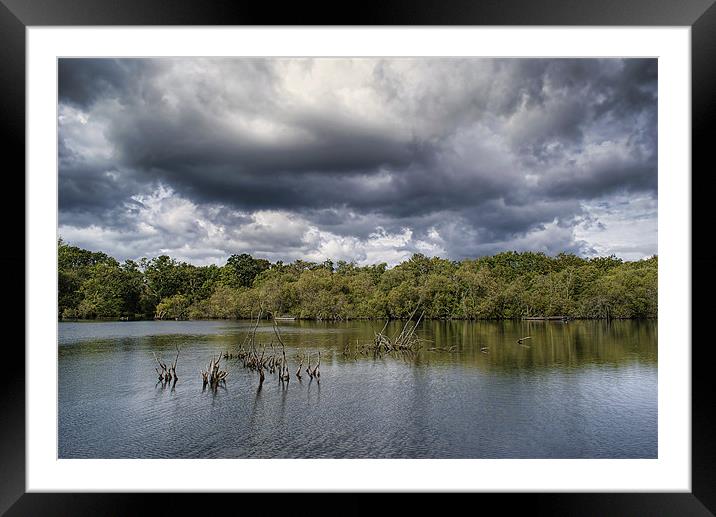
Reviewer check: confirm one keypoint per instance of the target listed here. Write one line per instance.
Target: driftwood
(270, 359)
(252, 336)
(405, 341)
(442, 349)
(316, 371)
(166, 372)
(300, 365)
(174, 366)
(308, 368)
(213, 375)
(283, 374)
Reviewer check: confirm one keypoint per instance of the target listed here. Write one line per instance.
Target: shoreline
(559, 319)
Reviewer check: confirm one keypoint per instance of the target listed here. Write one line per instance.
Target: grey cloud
(82, 81)
(487, 152)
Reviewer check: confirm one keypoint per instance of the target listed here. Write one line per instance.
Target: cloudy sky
(367, 160)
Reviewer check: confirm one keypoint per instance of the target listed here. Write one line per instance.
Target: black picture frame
(700, 15)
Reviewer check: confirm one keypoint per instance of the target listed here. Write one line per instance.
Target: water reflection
(577, 389)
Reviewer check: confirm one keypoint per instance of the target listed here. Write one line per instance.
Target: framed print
(415, 252)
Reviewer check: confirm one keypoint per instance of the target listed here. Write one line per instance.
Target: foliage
(506, 285)
(173, 307)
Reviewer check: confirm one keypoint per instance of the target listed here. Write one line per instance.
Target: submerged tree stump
(213, 375)
(166, 372)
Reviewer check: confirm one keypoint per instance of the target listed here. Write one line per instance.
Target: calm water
(579, 390)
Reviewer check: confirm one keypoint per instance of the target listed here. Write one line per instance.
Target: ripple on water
(581, 390)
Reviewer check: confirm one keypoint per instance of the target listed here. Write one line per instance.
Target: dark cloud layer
(468, 156)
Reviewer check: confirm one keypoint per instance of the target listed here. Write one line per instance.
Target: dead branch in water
(262, 359)
(442, 349)
(166, 372)
(316, 371)
(286, 376)
(405, 341)
(300, 365)
(213, 375)
(251, 336)
(174, 366)
(308, 368)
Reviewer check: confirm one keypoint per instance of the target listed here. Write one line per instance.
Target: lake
(582, 389)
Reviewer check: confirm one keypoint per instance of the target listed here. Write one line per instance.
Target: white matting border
(671, 471)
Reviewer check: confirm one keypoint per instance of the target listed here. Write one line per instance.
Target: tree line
(93, 285)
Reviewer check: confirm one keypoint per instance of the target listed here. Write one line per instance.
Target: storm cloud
(358, 159)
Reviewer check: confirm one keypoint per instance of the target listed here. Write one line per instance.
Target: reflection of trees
(553, 344)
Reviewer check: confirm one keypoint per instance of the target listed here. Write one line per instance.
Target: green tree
(173, 307)
(241, 270)
(73, 269)
(102, 292)
(506, 285)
